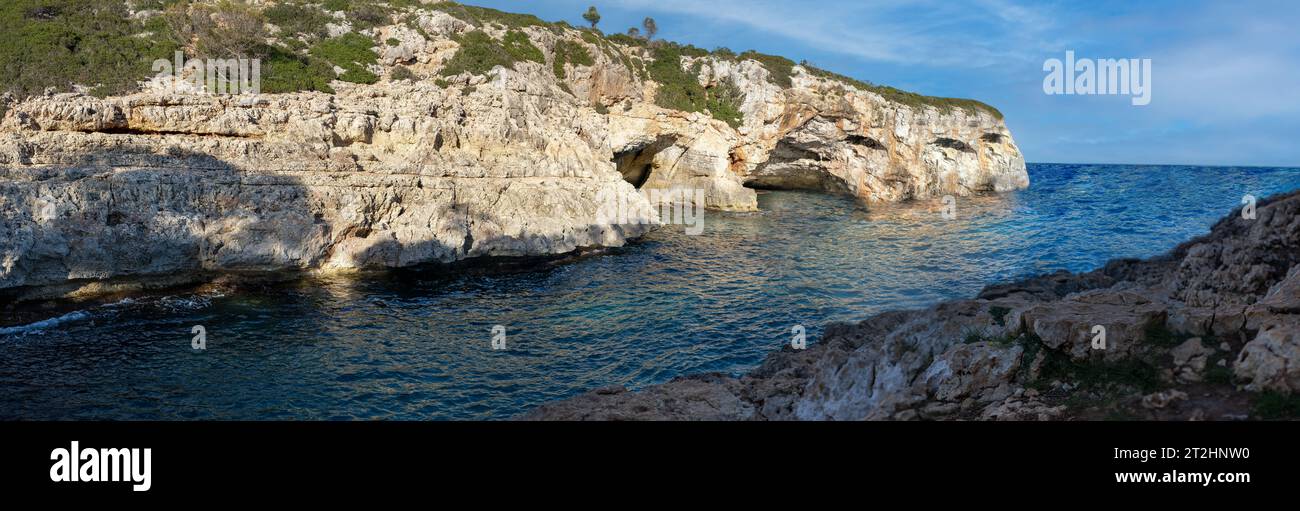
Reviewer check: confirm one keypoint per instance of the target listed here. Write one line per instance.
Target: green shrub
(976, 335)
(521, 48)
(226, 29)
(624, 39)
(479, 53)
(392, 41)
(363, 14)
(570, 52)
(298, 20)
(688, 50)
(350, 51)
(293, 43)
(336, 5)
(780, 68)
(284, 70)
(724, 102)
(1272, 405)
(999, 314)
(578, 54)
(639, 68)
(678, 90)
(911, 99)
(478, 16)
(368, 15)
(401, 73)
(1217, 374)
(1104, 377)
(412, 22)
(57, 43)
(681, 90)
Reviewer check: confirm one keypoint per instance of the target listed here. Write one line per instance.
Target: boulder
(1272, 360)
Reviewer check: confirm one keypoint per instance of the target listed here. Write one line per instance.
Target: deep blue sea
(418, 344)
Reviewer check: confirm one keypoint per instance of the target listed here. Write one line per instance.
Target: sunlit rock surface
(172, 185)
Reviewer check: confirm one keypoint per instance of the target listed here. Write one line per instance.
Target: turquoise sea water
(417, 344)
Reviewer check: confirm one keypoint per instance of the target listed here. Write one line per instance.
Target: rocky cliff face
(1197, 334)
(171, 185)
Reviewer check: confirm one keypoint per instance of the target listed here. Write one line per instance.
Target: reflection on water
(416, 345)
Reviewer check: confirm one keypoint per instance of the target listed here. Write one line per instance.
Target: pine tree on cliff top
(592, 16)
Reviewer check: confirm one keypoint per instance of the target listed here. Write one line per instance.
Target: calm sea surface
(417, 344)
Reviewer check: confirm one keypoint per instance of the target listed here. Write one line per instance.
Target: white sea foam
(45, 324)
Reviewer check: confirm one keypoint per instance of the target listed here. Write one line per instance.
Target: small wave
(120, 303)
(184, 303)
(168, 304)
(45, 324)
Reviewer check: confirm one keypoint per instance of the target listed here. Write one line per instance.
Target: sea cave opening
(793, 167)
(637, 162)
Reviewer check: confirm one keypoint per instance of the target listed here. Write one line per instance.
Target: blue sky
(1226, 74)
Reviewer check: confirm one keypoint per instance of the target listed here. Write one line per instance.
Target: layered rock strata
(171, 184)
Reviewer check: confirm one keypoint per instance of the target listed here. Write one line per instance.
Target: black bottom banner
(142, 460)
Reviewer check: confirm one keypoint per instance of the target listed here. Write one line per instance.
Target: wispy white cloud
(1247, 66)
(915, 32)
(1226, 75)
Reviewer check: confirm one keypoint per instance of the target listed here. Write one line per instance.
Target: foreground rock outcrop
(170, 185)
(1196, 334)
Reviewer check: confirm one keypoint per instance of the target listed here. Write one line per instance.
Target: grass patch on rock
(1157, 334)
(352, 52)
(911, 99)
(100, 45)
(402, 73)
(999, 314)
(479, 16)
(479, 53)
(780, 69)
(297, 20)
(678, 90)
(1096, 376)
(724, 102)
(681, 90)
(570, 52)
(58, 43)
(627, 40)
(364, 15)
(1272, 405)
(284, 70)
(520, 47)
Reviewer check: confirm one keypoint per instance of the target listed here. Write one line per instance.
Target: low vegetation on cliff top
(108, 46)
(61, 42)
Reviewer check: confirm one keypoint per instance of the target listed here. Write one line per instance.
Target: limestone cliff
(171, 185)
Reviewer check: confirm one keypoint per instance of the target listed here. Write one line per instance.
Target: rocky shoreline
(170, 186)
(1209, 331)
